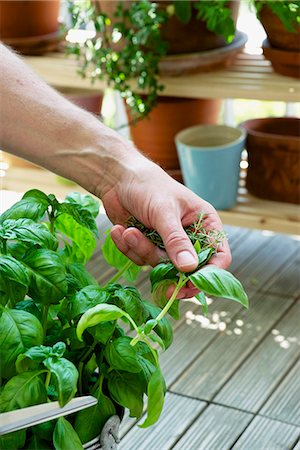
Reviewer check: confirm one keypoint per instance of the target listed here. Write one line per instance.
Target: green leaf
(163, 271)
(159, 297)
(84, 242)
(44, 430)
(97, 314)
(103, 331)
(129, 300)
(12, 441)
(115, 258)
(156, 397)
(35, 355)
(90, 422)
(220, 283)
(32, 206)
(80, 215)
(202, 299)
(65, 437)
(85, 201)
(25, 389)
(26, 230)
(30, 307)
(14, 280)
(19, 330)
(183, 10)
(48, 282)
(37, 444)
(126, 389)
(204, 256)
(79, 272)
(163, 329)
(121, 355)
(66, 377)
(157, 340)
(86, 298)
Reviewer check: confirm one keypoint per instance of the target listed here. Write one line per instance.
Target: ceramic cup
(210, 157)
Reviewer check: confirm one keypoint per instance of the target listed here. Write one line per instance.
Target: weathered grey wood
(179, 412)
(204, 378)
(217, 428)
(297, 446)
(268, 434)
(269, 259)
(287, 281)
(284, 404)
(255, 380)
(195, 334)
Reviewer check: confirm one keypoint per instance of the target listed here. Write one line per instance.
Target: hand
(161, 203)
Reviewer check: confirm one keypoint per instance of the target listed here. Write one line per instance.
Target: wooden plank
(285, 400)
(269, 260)
(216, 428)
(297, 446)
(178, 413)
(206, 376)
(254, 381)
(287, 281)
(263, 434)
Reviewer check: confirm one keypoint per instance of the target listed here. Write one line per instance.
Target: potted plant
(132, 41)
(281, 21)
(62, 334)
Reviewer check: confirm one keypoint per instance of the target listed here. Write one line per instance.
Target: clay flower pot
(154, 135)
(30, 26)
(284, 62)
(273, 146)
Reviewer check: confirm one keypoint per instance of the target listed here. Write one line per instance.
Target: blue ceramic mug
(210, 157)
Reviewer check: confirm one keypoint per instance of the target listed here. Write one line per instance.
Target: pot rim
(236, 141)
(263, 134)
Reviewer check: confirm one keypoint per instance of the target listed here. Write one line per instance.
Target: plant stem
(180, 284)
(47, 381)
(119, 273)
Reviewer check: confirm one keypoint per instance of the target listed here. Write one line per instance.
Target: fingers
(177, 243)
(136, 246)
(222, 258)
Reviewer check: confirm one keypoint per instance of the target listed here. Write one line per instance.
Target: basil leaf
(204, 256)
(14, 280)
(202, 299)
(25, 389)
(84, 242)
(183, 10)
(220, 283)
(90, 422)
(122, 356)
(157, 340)
(32, 206)
(19, 330)
(86, 298)
(115, 258)
(159, 291)
(31, 359)
(13, 440)
(156, 396)
(85, 201)
(30, 307)
(128, 299)
(103, 331)
(163, 271)
(126, 389)
(44, 430)
(39, 196)
(37, 444)
(79, 272)
(65, 437)
(48, 282)
(97, 314)
(65, 375)
(163, 329)
(80, 215)
(26, 230)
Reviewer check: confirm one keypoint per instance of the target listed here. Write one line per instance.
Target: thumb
(178, 246)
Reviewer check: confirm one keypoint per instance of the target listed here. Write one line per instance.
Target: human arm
(40, 125)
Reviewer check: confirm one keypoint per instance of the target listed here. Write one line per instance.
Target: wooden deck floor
(234, 377)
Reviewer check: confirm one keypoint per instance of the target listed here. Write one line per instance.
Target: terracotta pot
(285, 62)
(154, 135)
(278, 35)
(199, 38)
(273, 146)
(30, 26)
(175, 32)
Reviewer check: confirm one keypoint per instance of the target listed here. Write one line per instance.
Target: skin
(40, 125)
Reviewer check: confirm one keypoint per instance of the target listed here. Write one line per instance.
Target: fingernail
(131, 240)
(185, 258)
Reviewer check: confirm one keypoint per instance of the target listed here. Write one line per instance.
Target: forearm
(40, 125)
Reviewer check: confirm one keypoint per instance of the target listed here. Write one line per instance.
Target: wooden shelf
(251, 77)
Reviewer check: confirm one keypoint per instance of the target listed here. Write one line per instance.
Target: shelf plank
(250, 77)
